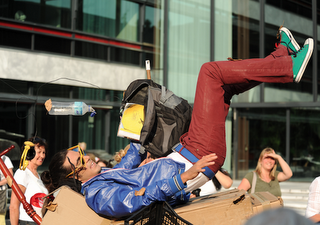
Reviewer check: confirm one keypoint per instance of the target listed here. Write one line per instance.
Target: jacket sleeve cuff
(176, 184)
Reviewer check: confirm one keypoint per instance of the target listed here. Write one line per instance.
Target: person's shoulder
(316, 181)
(250, 174)
(19, 172)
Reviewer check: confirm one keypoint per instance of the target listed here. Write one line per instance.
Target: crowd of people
(193, 168)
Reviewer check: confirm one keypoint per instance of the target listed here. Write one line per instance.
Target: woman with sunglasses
(28, 179)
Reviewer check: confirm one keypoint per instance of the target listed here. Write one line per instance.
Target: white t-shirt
(9, 165)
(208, 188)
(33, 186)
(313, 206)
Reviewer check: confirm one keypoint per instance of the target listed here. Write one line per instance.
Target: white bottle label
(78, 108)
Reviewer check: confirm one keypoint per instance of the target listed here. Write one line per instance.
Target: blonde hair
(122, 152)
(258, 168)
(92, 156)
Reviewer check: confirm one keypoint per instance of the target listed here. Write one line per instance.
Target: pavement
(294, 194)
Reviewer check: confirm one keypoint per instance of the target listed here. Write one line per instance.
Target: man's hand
(207, 160)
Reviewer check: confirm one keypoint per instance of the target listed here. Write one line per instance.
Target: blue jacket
(112, 192)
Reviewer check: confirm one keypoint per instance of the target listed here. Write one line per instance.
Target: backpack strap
(165, 95)
(254, 181)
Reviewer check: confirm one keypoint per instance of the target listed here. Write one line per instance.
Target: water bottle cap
(93, 114)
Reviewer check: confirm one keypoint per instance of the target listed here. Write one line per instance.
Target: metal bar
(212, 18)
(315, 52)
(165, 43)
(235, 145)
(262, 41)
(288, 136)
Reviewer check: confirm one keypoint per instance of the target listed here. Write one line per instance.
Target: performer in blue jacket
(118, 192)
(125, 188)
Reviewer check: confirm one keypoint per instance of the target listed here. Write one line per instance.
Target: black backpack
(167, 116)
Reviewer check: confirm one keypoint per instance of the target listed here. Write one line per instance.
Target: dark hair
(37, 141)
(107, 163)
(215, 180)
(55, 177)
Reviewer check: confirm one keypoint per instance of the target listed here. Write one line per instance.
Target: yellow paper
(133, 119)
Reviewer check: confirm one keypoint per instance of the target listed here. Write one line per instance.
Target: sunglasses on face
(82, 163)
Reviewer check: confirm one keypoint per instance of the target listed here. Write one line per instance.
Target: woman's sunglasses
(82, 160)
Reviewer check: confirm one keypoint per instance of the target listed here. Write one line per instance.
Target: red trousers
(217, 83)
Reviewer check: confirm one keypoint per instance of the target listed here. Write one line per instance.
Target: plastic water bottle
(68, 108)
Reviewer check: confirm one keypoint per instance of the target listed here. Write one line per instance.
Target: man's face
(91, 169)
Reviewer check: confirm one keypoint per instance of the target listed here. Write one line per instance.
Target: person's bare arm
(14, 207)
(191, 173)
(244, 185)
(286, 171)
(224, 180)
(4, 181)
(315, 218)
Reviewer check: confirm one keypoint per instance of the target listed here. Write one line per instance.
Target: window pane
(298, 19)
(115, 19)
(152, 25)
(14, 38)
(258, 129)
(89, 93)
(52, 44)
(52, 90)
(304, 143)
(91, 50)
(55, 13)
(124, 55)
(188, 44)
(245, 39)
(90, 130)
(55, 129)
(13, 86)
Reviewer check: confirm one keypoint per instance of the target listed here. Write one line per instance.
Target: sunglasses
(82, 160)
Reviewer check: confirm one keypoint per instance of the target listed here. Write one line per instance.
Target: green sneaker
(301, 59)
(287, 39)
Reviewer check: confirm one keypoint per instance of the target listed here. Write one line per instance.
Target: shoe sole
(305, 61)
(293, 41)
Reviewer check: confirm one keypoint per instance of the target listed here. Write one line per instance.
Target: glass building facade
(89, 50)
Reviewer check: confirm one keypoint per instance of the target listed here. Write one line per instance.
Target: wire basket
(157, 213)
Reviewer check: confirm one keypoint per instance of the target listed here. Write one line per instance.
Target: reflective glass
(51, 89)
(258, 129)
(55, 13)
(115, 19)
(261, 128)
(188, 44)
(124, 56)
(16, 39)
(304, 143)
(317, 48)
(297, 17)
(152, 25)
(13, 86)
(245, 39)
(52, 44)
(91, 130)
(91, 50)
(94, 93)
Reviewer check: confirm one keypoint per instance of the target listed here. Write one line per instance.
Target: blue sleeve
(132, 159)
(114, 200)
(113, 193)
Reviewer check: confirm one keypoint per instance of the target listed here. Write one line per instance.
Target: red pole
(16, 189)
